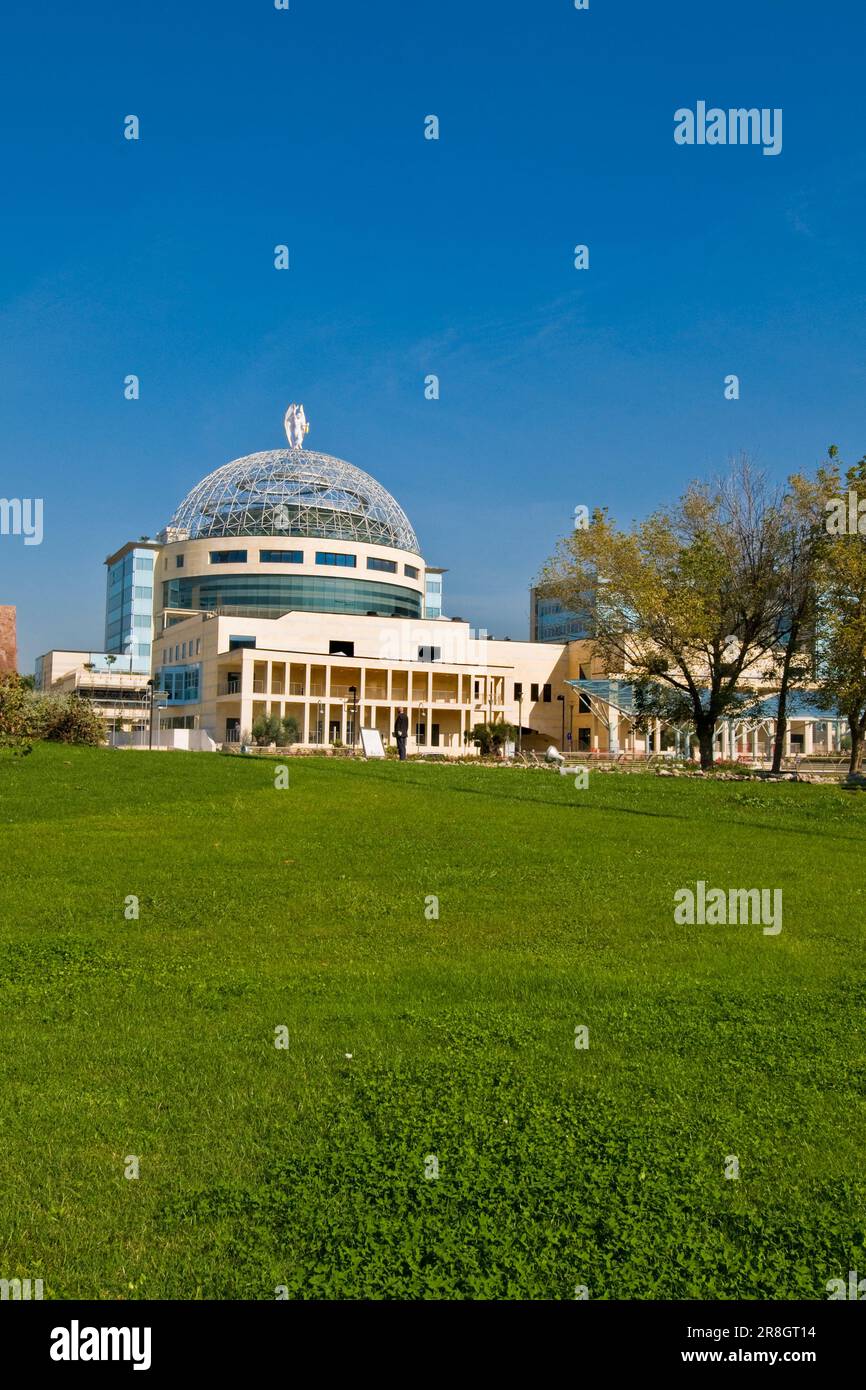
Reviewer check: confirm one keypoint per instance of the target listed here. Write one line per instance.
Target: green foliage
(697, 594)
(290, 730)
(26, 716)
(842, 645)
(490, 738)
(69, 719)
(19, 721)
(267, 729)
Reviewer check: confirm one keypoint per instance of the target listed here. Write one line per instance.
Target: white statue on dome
(296, 426)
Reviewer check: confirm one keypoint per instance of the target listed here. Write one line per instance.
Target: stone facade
(8, 641)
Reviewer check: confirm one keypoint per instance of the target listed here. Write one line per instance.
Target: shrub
(70, 719)
(291, 732)
(26, 716)
(19, 717)
(267, 728)
(490, 738)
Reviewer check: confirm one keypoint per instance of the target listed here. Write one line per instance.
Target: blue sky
(411, 257)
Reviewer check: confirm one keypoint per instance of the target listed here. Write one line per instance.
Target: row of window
(270, 595)
(125, 567)
(180, 652)
(296, 557)
(546, 692)
(181, 686)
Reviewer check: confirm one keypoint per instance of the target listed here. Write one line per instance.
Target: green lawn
(302, 1167)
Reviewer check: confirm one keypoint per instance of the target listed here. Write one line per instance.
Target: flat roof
(132, 545)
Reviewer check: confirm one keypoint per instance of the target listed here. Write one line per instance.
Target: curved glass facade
(270, 595)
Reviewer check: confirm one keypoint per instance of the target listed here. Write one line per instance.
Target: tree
(290, 730)
(267, 728)
(803, 536)
(687, 598)
(491, 737)
(842, 611)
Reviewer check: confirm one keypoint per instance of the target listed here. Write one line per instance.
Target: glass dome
(293, 492)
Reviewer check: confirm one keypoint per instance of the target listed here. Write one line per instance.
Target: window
(533, 691)
(331, 557)
(583, 704)
(411, 571)
(518, 690)
(281, 557)
(235, 642)
(338, 648)
(177, 651)
(228, 557)
(178, 562)
(374, 563)
(198, 646)
(547, 694)
(271, 593)
(144, 562)
(181, 686)
(429, 653)
(583, 735)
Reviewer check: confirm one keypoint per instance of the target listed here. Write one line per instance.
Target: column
(613, 729)
(305, 732)
(808, 737)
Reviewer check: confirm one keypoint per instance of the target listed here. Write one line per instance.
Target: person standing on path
(401, 732)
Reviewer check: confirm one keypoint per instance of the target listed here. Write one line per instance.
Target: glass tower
(129, 605)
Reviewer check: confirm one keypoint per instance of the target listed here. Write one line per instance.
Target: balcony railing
(229, 688)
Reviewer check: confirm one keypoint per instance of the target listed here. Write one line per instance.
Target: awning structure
(611, 700)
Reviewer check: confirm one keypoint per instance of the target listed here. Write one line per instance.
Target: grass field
(304, 1167)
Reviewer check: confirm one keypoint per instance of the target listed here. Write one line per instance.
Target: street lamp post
(353, 691)
(150, 691)
(520, 720)
(561, 699)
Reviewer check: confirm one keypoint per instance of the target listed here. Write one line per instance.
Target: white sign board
(371, 742)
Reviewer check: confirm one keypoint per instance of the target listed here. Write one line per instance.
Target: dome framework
(293, 492)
